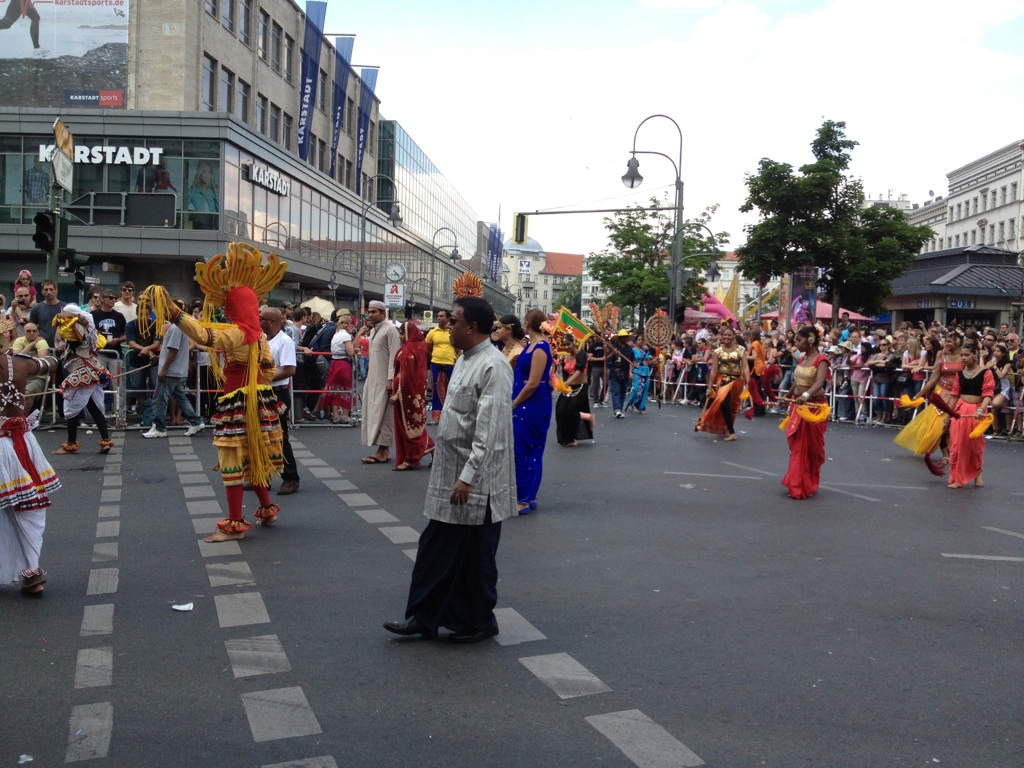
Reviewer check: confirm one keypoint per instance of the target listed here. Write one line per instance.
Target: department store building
(207, 109)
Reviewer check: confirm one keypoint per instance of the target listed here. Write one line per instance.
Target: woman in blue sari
(641, 376)
(531, 411)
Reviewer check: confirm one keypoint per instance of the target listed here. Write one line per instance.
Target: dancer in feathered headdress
(247, 427)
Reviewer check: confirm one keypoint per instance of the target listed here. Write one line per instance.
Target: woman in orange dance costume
(729, 375)
(975, 387)
(808, 417)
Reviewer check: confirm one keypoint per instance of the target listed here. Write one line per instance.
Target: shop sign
(961, 304)
(924, 303)
(394, 294)
(524, 266)
(267, 178)
(108, 155)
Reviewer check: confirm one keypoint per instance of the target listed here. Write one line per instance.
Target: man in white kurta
(472, 489)
(378, 426)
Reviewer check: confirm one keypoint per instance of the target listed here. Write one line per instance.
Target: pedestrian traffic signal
(45, 237)
(519, 229)
(80, 279)
(71, 259)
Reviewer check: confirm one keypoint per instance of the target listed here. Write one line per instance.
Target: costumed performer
(808, 416)
(641, 377)
(26, 478)
(531, 411)
(442, 360)
(930, 428)
(412, 442)
(974, 387)
(728, 375)
(573, 406)
(76, 344)
(246, 422)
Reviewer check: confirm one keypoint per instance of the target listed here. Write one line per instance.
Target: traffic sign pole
(53, 256)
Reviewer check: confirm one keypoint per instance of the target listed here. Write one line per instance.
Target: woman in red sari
(412, 442)
(729, 374)
(975, 387)
(808, 417)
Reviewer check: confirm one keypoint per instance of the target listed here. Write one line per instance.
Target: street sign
(394, 295)
(65, 140)
(92, 280)
(428, 316)
(63, 169)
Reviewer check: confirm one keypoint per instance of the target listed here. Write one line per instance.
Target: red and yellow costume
(967, 452)
(922, 435)
(247, 427)
(805, 433)
(728, 388)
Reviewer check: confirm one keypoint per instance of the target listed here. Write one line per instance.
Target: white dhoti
(23, 502)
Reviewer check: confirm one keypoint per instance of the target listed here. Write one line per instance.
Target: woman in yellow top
(442, 360)
(729, 375)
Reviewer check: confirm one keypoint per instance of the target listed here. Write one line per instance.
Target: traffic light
(45, 237)
(71, 259)
(80, 279)
(519, 229)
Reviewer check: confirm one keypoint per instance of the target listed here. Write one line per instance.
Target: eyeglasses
(110, 298)
(127, 290)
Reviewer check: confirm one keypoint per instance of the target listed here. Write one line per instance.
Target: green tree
(817, 218)
(571, 295)
(633, 269)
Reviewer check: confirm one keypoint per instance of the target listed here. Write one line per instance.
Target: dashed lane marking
(281, 713)
(1000, 530)
(230, 574)
(995, 558)
(108, 529)
(725, 477)
(564, 675)
(95, 667)
(340, 485)
(102, 581)
(241, 610)
(104, 551)
(204, 507)
(515, 629)
(219, 548)
(261, 655)
(401, 534)
(643, 741)
(97, 620)
(749, 469)
(89, 732)
(848, 493)
(310, 762)
(377, 516)
(357, 500)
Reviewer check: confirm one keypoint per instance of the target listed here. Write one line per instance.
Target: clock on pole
(395, 272)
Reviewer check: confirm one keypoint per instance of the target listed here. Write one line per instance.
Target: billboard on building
(63, 54)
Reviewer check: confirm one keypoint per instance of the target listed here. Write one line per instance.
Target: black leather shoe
(411, 627)
(474, 637)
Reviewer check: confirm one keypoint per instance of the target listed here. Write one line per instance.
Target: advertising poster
(63, 54)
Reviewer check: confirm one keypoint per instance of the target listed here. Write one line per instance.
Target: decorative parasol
(319, 305)
(658, 331)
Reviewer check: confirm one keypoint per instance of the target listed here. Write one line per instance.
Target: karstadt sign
(107, 155)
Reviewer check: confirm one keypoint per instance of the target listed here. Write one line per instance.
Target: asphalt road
(667, 605)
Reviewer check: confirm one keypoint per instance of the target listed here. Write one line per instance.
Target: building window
(244, 96)
(1002, 231)
(349, 170)
(227, 18)
(975, 206)
(289, 58)
(245, 20)
(262, 107)
(311, 157)
(993, 198)
(974, 236)
(321, 155)
(263, 42)
(992, 233)
(350, 120)
(959, 211)
(211, 7)
(275, 46)
(209, 84)
(371, 139)
(286, 131)
(1002, 194)
(1013, 192)
(227, 90)
(956, 241)
(321, 92)
(275, 123)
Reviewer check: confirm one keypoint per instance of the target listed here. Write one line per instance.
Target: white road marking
(340, 485)
(97, 620)
(198, 491)
(706, 474)
(324, 472)
(261, 655)
(112, 510)
(410, 553)
(377, 516)
(204, 507)
(111, 481)
(643, 741)
(89, 731)
(996, 558)
(104, 551)
(110, 495)
(229, 574)
(282, 713)
(514, 628)
(310, 762)
(241, 610)
(564, 675)
(886, 487)
(185, 467)
(102, 581)
(108, 529)
(357, 500)
(401, 534)
(847, 493)
(95, 667)
(219, 548)
(1000, 530)
(749, 469)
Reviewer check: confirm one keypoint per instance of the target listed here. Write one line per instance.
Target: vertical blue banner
(316, 12)
(369, 84)
(494, 248)
(342, 68)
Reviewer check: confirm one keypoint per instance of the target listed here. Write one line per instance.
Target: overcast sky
(532, 104)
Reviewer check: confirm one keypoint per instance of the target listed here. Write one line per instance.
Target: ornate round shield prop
(658, 331)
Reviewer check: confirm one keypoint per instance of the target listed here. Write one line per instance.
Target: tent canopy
(822, 311)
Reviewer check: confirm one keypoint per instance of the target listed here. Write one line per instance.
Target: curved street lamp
(394, 218)
(332, 282)
(434, 248)
(632, 179)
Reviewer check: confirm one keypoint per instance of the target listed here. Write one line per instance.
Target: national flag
(569, 323)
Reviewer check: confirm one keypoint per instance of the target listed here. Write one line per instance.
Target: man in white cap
(378, 414)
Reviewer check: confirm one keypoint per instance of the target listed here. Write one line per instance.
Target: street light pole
(394, 218)
(633, 179)
(332, 283)
(433, 255)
